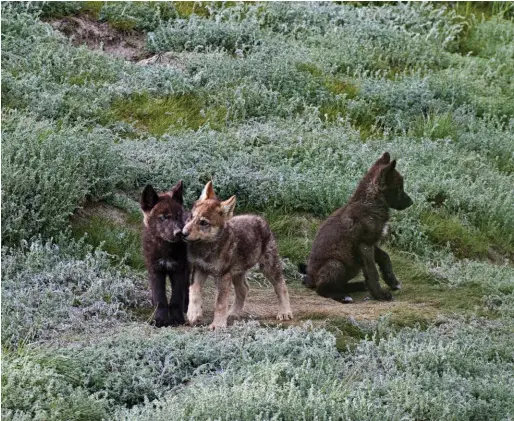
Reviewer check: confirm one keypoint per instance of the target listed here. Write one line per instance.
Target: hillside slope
(284, 105)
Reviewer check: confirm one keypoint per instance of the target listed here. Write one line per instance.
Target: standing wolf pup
(348, 240)
(165, 252)
(226, 247)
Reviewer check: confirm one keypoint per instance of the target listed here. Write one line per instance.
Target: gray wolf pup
(226, 247)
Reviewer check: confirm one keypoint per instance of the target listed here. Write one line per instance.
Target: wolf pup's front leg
(158, 285)
(221, 305)
(194, 310)
(179, 292)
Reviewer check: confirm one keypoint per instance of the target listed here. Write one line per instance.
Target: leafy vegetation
(285, 106)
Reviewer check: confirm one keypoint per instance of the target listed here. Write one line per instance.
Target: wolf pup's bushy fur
(348, 240)
(165, 252)
(226, 247)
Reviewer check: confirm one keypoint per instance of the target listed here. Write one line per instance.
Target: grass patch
(162, 115)
(187, 8)
(93, 8)
(421, 287)
(294, 234)
(341, 86)
(347, 332)
(484, 9)
(406, 316)
(465, 241)
(435, 126)
(120, 241)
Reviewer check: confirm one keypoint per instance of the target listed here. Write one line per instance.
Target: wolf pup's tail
(302, 267)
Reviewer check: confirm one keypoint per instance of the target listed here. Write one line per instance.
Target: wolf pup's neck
(209, 251)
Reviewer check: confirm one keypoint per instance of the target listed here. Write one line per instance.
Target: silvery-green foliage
(34, 388)
(202, 34)
(499, 31)
(368, 37)
(397, 103)
(145, 16)
(497, 281)
(48, 290)
(47, 9)
(490, 138)
(281, 75)
(142, 363)
(305, 165)
(456, 371)
(48, 170)
(43, 72)
(469, 85)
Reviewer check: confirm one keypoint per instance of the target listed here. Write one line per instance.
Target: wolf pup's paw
(285, 315)
(396, 286)
(194, 314)
(217, 325)
(235, 313)
(162, 317)
(384, 296)
(177, 318)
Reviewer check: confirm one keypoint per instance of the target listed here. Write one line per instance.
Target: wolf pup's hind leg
(272, 270)
(241, 290)
(332, 281)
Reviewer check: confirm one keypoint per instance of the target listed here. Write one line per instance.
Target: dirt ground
(261, 304)
(129, 45)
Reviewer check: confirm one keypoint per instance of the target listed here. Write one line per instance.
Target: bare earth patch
(261, 304)
(129, 45)
(102, 210)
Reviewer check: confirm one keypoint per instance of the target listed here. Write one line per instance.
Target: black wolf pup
(347, 241)
(165, 252)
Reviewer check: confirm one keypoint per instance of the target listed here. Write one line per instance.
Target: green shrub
(202, 34)
(140, 15)
(412, 375)
(48, 171)
(49, 290)
(33, 389)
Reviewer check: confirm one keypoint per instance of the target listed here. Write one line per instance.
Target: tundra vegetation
(284, 106)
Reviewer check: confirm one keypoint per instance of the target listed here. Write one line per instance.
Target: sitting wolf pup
(165, 252)
(227, 247)
(348, 240)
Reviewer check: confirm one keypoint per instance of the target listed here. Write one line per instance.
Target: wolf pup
(165, 252)
(226, 247)
(348, 240)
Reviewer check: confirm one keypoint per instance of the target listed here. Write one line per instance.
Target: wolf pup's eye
(163, 218)
(204, 223)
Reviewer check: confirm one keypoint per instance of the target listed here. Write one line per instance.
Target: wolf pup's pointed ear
(177, 192)
(384, 176)
(228, 207)
(384, 159)
(149, 198)
(208, 192)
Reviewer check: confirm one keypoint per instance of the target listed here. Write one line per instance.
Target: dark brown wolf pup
(347, 241)
(165, 252)
(226, 247)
